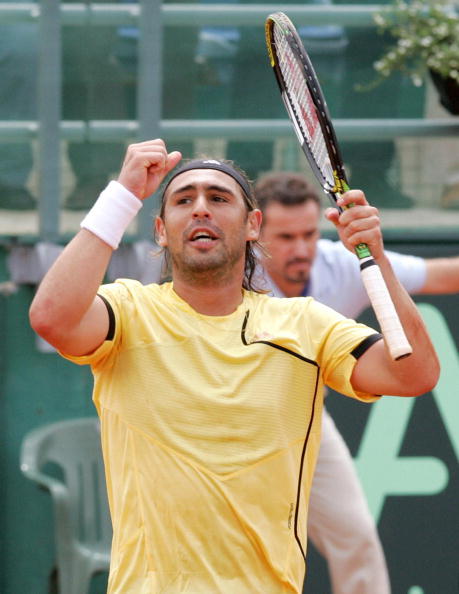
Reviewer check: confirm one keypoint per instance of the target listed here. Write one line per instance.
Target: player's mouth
(203, 236)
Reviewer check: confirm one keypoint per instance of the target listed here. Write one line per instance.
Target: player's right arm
(66, 310)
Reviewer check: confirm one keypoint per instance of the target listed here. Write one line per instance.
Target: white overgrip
(381, 301)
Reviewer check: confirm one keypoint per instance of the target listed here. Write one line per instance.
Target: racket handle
(385, 311)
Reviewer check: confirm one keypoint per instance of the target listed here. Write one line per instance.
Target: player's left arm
(375, 371)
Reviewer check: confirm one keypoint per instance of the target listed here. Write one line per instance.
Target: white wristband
(112, 213)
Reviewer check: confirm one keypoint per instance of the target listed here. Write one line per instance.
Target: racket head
(305, 103)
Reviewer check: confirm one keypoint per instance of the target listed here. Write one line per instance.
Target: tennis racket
(306, 106)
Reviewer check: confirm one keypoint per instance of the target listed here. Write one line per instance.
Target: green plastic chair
(83, 530)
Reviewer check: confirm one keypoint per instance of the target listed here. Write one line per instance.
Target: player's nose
(201, 207)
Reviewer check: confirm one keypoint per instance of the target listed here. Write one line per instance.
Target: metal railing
(189, 14)
(150, 16)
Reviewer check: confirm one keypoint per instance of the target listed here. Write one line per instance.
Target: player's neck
(210, 300)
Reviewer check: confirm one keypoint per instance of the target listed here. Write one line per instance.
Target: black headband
(212, 164)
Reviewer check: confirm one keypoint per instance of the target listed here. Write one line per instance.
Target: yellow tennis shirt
(210, 432)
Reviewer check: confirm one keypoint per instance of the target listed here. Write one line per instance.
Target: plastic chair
(83, 530)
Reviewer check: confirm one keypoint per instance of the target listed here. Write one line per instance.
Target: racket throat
(333, 197)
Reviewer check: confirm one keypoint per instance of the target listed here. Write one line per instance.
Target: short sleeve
(343, 341)
(113, 295)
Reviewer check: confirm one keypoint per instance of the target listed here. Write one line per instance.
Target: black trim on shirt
(308, 431)
(357, 352)
(272, 344)
(366, 344)
(111, 318)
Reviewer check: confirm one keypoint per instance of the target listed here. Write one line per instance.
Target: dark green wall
(35, 389)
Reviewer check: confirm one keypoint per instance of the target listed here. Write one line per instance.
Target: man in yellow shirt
(209, 392)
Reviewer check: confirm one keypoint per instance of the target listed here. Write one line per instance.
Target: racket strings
(302, 104)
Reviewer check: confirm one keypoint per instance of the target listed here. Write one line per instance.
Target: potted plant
(426, 41)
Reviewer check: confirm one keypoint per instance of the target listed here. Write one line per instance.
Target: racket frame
(375, 285)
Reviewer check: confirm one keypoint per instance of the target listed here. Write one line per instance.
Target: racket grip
(385, 311)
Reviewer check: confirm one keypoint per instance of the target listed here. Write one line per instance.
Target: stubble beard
(210, 268)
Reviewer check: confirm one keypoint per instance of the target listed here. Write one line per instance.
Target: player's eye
(219, 198)
(183, 200)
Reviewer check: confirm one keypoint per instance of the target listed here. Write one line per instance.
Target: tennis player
(299, 263)
(209, 392)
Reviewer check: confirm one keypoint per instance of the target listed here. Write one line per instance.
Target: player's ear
(160, 232)
(254, 224)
